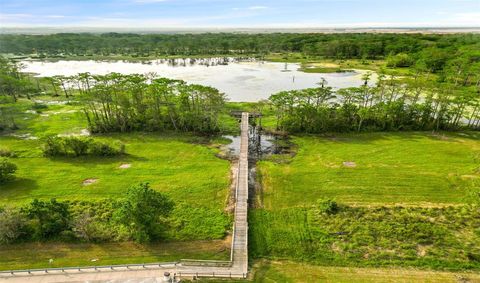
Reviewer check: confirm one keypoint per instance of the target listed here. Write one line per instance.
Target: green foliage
(5, 152)
(142, 212)
(388, 106)
(342, 46)
(7, 170)
(440, 238)
(401, 60)
(12, 83)
(327, 206)
(123, 103)
(49, 218)
(79, 146)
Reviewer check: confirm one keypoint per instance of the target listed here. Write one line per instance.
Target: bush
(5, 152)
(103, 149)
(141, 212)
(39, 106)
(79, 146)
(327, 206)
(13, 225)
(7, 170)
(54, 146)
(49, 218)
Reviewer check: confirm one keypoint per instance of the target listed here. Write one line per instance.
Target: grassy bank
(37, 255)
(403, 201)
(433, 238)
(374, 168)
(285, 271)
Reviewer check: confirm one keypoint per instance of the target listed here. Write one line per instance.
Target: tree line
(389, 105)
(122, 103)
(354, 45)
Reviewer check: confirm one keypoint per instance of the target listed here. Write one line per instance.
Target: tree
(7, 170)
(49, 218)
(142, 211)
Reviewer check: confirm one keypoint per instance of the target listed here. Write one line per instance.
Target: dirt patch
(469, 177)
(324, 65)
(25, 136)
(441, 137)
(90, 181)
(125, 166)
(349, 164)
(422, 250)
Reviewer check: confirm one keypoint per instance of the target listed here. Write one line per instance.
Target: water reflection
(260, 144)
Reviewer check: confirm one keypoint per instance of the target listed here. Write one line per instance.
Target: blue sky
(235, 13)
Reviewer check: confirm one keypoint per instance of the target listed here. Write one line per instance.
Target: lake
(243, 81)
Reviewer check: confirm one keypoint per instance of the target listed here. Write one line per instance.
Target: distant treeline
(366, 45)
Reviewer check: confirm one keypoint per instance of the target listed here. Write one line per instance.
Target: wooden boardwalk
(240, 228)
(236, 268)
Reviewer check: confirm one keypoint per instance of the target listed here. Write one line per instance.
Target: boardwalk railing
(123, 267)
(201, 262)
(211, 274)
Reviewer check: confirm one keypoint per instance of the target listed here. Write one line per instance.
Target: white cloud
(257, 7)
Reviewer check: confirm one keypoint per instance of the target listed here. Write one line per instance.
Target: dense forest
(434, 48)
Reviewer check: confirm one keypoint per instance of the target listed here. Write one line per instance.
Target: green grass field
(37, 255)
(406, 168)
(403, 201)
(182, 166)
(285, 271)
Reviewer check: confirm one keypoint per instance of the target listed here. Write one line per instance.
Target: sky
(240, 14)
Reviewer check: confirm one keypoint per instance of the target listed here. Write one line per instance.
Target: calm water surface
(240, 81)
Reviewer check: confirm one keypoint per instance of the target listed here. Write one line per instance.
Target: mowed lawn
(185, 171)
(375, 168)
(170, 162)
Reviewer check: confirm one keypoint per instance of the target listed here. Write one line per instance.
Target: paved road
(239, 256)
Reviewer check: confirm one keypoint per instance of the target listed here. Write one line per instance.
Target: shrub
(327, 206)
(141, 212)
(13, 225)
(103, 149)
(5, 152)
(79, 146)
(49, 218)
(39, 107)
(7, 170)
(54, 146)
